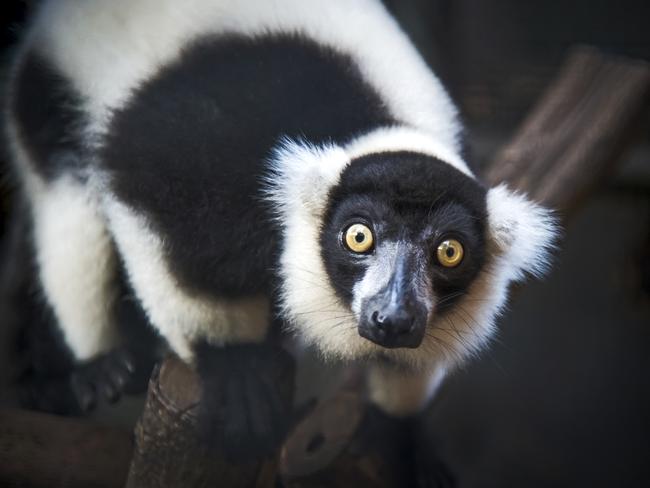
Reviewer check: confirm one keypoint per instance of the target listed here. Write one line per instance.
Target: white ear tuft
(302, 174)
(523, 232)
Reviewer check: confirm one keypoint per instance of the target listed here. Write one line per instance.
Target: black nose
(393, 326)
(396, 322)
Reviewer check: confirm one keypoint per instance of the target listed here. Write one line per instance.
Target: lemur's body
(218, 148)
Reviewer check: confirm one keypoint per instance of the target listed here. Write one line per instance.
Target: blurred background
(562, 398)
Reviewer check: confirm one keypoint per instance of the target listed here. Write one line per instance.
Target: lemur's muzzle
(397, 315)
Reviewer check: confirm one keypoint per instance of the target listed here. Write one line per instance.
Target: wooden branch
(168, 452)
(322, 436)
(46, 451)
(577, 131)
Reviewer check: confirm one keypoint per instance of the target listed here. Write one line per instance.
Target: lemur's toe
(105, 376)
(84, 392)
(117, 369)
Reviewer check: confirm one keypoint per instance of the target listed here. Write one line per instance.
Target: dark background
(563, 396)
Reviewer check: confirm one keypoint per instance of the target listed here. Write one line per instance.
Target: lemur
(244, 159)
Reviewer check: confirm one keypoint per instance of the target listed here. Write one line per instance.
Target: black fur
(396, 441)
(247, 398)
(400, 195)
(190, 148)
(47, 112)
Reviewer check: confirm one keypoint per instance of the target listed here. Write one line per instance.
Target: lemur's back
(191, 149)
(179, 108)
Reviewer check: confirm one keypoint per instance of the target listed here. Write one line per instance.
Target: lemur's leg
(77, 270)
(223, 338)
(402, 393)
(76, 265)
(398, 396)
(71, 252)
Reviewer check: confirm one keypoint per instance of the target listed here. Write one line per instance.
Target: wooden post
(46, 451)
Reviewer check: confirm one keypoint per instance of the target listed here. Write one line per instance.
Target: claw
(84, 392)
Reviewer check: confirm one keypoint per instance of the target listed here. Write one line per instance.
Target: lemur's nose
(394, 320)
(396, 316)
(393, 325)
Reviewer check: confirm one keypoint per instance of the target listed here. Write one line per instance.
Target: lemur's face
(403, 237)
(398, 255)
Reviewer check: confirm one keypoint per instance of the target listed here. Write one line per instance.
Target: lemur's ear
(302, 175)
(523, 232)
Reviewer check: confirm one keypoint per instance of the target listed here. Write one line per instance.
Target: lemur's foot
(246, 405)
(77, 391)
(103, 377)
(412, 457)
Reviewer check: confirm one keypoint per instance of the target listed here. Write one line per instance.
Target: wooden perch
(577, 132)
(167, 450)
(46, 451)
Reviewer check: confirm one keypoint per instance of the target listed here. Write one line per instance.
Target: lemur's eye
(358, 238)
(450, 253)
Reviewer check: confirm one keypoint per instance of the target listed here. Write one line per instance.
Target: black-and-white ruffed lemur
(235, 159)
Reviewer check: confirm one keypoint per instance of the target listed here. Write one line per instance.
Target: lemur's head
(393, 249)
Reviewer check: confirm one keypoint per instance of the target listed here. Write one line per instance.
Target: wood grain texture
(168, 452)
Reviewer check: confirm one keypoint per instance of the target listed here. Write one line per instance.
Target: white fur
(180, 317)
(76, 264)
(74, 255)
(403, 393)
(108, 47)
(524, 231)
(376, 277)
(380, 271)
(300, 176)
(391, 139)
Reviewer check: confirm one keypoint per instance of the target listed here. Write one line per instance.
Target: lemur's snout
(393, 326)
(395, 317)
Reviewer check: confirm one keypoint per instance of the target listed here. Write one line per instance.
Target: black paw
(246, 405)
(103, 377)
(78, 390)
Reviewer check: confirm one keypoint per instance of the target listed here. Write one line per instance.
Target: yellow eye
(358, 238)
(450, 253)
